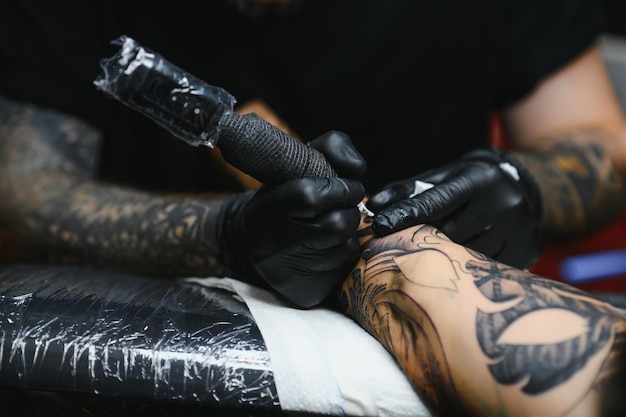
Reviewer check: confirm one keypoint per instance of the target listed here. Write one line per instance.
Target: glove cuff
(527, 180)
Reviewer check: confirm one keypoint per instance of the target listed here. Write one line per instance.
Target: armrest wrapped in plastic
(145, 345)
(79, 330)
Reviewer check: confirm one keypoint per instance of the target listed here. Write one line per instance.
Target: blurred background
(616, 13)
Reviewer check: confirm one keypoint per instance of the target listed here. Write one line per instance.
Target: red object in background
(610, 238)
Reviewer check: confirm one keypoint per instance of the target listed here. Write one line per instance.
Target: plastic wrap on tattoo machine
(185, 105)
(69, 329)
(201, 114)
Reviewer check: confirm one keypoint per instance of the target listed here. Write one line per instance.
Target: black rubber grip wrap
(267, 153)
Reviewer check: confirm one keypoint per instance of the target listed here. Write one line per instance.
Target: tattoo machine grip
(267, 153)
(202, 114)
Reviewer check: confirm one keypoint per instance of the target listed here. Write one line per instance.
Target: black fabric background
(615, 12)
(412, 82)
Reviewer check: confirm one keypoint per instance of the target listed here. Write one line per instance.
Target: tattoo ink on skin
(407, 290)
(582, 187)
(548, 362)
(53, 210)
(397, 321)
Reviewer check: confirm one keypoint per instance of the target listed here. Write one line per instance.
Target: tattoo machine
(202, 114)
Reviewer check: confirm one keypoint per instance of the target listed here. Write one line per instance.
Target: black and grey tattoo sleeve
(52, 209)
(477, 336)
(582, 186)
(538, 367)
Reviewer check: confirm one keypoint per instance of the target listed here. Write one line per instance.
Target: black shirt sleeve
(534, 38)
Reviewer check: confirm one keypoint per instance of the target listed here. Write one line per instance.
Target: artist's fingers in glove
(311, 197)
(407, 188)
(288, 212)
(486, 238)
(339, 150)
(331, 229)
(499, 239)
(426, 208)
(314, 274)
(307, 197)
(391, 194)
(495, 230)
(482, 227)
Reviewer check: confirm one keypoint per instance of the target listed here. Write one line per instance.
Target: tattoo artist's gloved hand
(299, 237)
(486, 201)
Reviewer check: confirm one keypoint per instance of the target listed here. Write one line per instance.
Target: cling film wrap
(84, 331)
(202, 114)
(188, 107)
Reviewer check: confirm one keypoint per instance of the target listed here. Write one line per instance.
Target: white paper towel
(323, 362)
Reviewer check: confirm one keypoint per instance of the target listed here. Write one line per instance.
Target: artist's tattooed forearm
(52, 209)
(120, 229)
(407, 283)
(35, 140)
(581, 185)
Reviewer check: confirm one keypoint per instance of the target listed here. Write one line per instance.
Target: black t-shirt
(615, 11)
(411, 81)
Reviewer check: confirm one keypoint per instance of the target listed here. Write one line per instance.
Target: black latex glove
(299, 238)
(476, 202)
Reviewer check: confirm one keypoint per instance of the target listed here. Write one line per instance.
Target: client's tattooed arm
(482, 338)
(52, 209)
